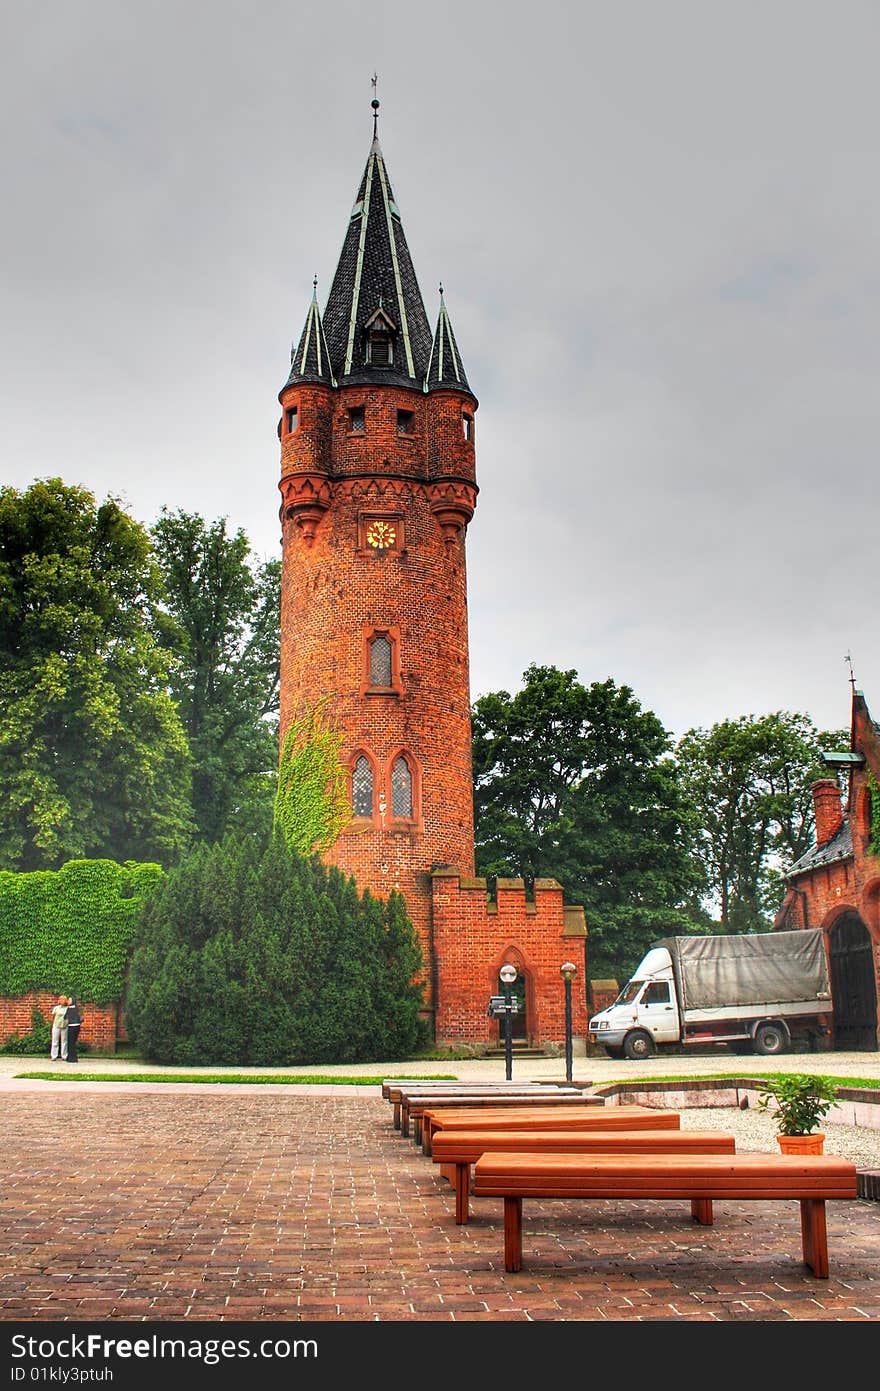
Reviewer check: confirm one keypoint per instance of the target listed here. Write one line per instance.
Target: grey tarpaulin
(753, 969)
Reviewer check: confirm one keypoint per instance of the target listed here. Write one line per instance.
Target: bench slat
(546, 1118)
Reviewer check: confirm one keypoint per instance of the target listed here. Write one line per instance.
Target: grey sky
(657, 229)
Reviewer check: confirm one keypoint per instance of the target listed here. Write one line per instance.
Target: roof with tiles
(375, 288)
(445, 367)
(310, 360)
(840, 847)
(375, 271)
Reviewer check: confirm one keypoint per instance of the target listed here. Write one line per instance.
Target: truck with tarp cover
(762, 992)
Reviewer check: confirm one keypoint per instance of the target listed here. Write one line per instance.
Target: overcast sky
(657, 227)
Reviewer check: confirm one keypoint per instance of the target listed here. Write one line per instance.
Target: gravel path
(755, 1131)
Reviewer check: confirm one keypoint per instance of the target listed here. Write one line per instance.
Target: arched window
(401, 790)
(380, 660)
(362, 788)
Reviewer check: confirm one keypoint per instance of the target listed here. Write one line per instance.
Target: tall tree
(93, 757)
(225, 611)
(748, 780)
(576, 783)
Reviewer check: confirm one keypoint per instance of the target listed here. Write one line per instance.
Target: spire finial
(375, 105)
(852, 678)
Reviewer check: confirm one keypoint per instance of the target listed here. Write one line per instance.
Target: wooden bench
(396, 1092)
(457, 1150)
(412, 1105)
(538, 1117)
(809, 1179)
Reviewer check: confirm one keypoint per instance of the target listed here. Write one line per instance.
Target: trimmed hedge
(72, 928)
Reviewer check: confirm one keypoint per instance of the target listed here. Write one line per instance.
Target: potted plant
(797, 1104)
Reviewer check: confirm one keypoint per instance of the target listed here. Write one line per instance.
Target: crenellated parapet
(476, 933)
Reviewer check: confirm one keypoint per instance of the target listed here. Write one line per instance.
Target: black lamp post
(568, 971)
(508, 976)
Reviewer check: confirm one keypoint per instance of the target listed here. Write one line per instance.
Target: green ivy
(71, 929)
(875, 814)
(311, 804)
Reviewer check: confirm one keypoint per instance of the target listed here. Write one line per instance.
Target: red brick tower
(377, 487)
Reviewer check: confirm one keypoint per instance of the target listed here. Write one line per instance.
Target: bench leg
(701, 1211)
(462, 1189)
(513, 1234)
(814, 1236)
(404, 1120)
(417, 1130)
(397, 1115)
(426, 1138)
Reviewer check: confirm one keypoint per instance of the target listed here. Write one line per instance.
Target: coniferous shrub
(255, 956)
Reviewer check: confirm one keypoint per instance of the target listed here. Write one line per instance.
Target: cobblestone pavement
(289, 1207)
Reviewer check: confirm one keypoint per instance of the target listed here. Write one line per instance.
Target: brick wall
(821, 895)
(100, 1029)
(474, 938)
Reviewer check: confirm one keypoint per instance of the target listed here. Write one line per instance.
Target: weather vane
(852, 679)
(375, 105)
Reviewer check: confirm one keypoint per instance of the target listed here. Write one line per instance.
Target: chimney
(826, 804)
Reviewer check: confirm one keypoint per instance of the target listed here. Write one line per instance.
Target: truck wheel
(638, 1045)
(769, 1039)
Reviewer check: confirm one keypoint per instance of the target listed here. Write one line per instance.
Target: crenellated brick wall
(474, 937)
(101, 1028)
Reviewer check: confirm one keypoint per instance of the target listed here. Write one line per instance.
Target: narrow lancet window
(380, 661)
(362, 788)
(401, 789)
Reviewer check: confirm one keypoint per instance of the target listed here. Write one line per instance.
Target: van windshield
(629, 992)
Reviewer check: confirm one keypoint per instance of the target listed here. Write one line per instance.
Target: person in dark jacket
(74, 1022)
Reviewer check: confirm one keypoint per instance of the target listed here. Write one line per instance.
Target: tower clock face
(381, 536)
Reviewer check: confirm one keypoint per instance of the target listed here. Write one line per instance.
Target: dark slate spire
(375, 272)
(445, 366)
(310, 361)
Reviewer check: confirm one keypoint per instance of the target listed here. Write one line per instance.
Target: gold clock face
(381, 535)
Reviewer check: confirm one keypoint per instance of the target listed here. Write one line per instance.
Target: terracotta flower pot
(802, 1144)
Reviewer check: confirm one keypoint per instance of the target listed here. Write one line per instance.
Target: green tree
(93, 757)
(748, 780)
(576, 783)
(224, 632)
(253, 955)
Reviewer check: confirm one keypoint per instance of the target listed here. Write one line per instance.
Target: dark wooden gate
(853, 987)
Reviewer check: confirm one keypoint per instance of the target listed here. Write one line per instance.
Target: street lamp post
(568, 971)
(508, 976)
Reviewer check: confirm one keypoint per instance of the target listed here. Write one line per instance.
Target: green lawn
(319, 1079)
(860, 1082)
(251, 1078)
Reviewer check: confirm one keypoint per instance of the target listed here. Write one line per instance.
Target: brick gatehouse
(378, 487)
(836, 885)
